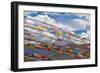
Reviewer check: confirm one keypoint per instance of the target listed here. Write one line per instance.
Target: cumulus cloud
(45, 18)
(84, 16)
(75, 24)
(68, 28)
(79, 24)
(51, 21)
(85, 35)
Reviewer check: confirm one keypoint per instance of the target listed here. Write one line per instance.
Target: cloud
(73, 25)
(68, 28)
(80, 24)
(85, 35)
(81, 21)
(51, 21)
(50, 13)
(84, 16)
(45, 18)
(81, 14)
(26, 13)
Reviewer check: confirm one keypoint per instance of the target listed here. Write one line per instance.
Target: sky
(78, 23)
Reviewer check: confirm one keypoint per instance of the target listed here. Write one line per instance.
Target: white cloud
(52, 21)
(68, 28)
(85, 35)
(45, 18)
(89, 34)
(26, 13)
(54, 13)
(75, 24)
(79, 24)
(81, 15)
(81, 21)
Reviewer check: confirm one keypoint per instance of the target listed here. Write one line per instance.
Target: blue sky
(78, 21)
